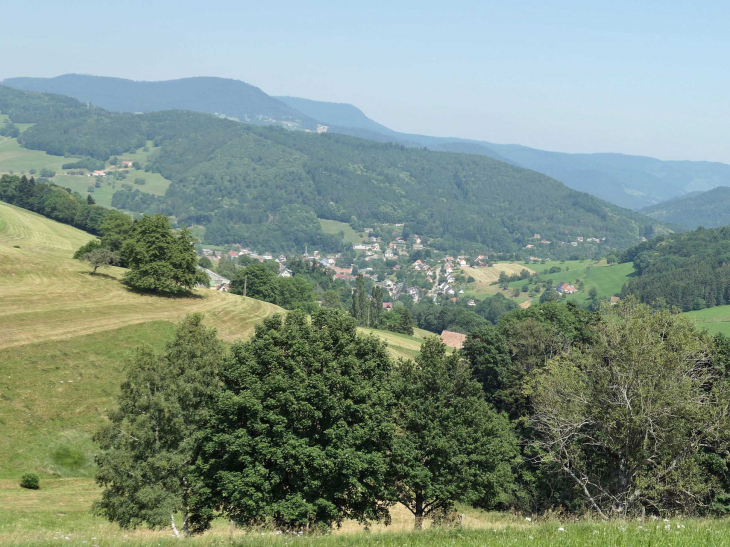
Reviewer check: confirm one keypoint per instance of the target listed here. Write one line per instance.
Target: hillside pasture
(485, 276)
(49, 296)
(713, 320)
(608, 280)
(335, 227)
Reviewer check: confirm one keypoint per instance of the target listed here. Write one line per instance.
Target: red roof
(232, 253)
(387, 305)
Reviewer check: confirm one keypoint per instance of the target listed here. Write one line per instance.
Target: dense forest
(690, 271)
(710, 209)
(265, 186)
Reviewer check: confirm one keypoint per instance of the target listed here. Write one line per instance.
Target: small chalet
(100, 173)
(453, 339)
(286, 272)
(233, 254)
(126, 163)
(566, 288)
(387, 306)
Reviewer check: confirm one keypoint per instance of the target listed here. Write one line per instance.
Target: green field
(714, 320)
(608, 280)
(335, 227)
(402, 345)
(18, 160)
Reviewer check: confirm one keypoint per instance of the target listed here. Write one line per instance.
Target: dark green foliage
(625, 418)
(153, 436)
(397, 320)
(459, 317)
(258, 281)
(689, 271)
(9, 130)
(299, 437)
(205, 262)
(90, 164)
(450, 444)
(30, 481)
(160, 260)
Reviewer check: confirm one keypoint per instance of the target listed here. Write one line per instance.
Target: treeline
(54, 202)
(263, 185)
(690, 271)
(310, 423)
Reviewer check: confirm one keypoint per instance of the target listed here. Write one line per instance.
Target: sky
(636, 77)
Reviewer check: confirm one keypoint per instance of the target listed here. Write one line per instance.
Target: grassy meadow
(335, 227)
(714, 320)
(484, 277)
(18, 160)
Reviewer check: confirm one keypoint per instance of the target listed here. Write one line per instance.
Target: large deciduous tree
(299, 437)
(450, 445)
(626, 416)
(153, 437)
(159, 259)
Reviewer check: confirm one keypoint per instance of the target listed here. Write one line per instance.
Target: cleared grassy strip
(335, 227)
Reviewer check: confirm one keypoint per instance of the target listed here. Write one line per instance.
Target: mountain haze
(231, 98)
(710, 209)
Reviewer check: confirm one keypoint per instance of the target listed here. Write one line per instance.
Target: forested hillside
(628, 181)
(690, 270)
(709, 209)
(265, 186)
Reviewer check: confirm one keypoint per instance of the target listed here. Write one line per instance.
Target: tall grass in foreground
(656, 534)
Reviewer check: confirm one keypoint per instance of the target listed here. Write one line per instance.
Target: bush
(30, 481)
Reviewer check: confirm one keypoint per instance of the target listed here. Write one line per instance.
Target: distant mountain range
(710, 209)
(231, 98)
(629, 181)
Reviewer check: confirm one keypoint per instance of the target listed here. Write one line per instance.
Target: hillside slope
(49, 296)
(710, 209)
(629, 181)
(232, 98)
(266, 187)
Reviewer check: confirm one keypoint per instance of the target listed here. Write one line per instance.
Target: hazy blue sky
(639, 77)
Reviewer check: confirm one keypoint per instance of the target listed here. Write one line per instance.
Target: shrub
(30, 481)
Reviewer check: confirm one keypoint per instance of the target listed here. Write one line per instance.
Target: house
(453, 339)
(126, 163)
(215, 279)
(454, 300)
(573, 243)
(368, 230)
(387, 306)
(579, 238)
(360, 247)
(615, 300)
(233, 254)
(566, 288)
(471, 303)
(529, 246)
(343, 276)
(536, 236)
(389, 254)
(462, 263)
(544, 242)
(286, 272)
(375, 246)
(100, 173)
